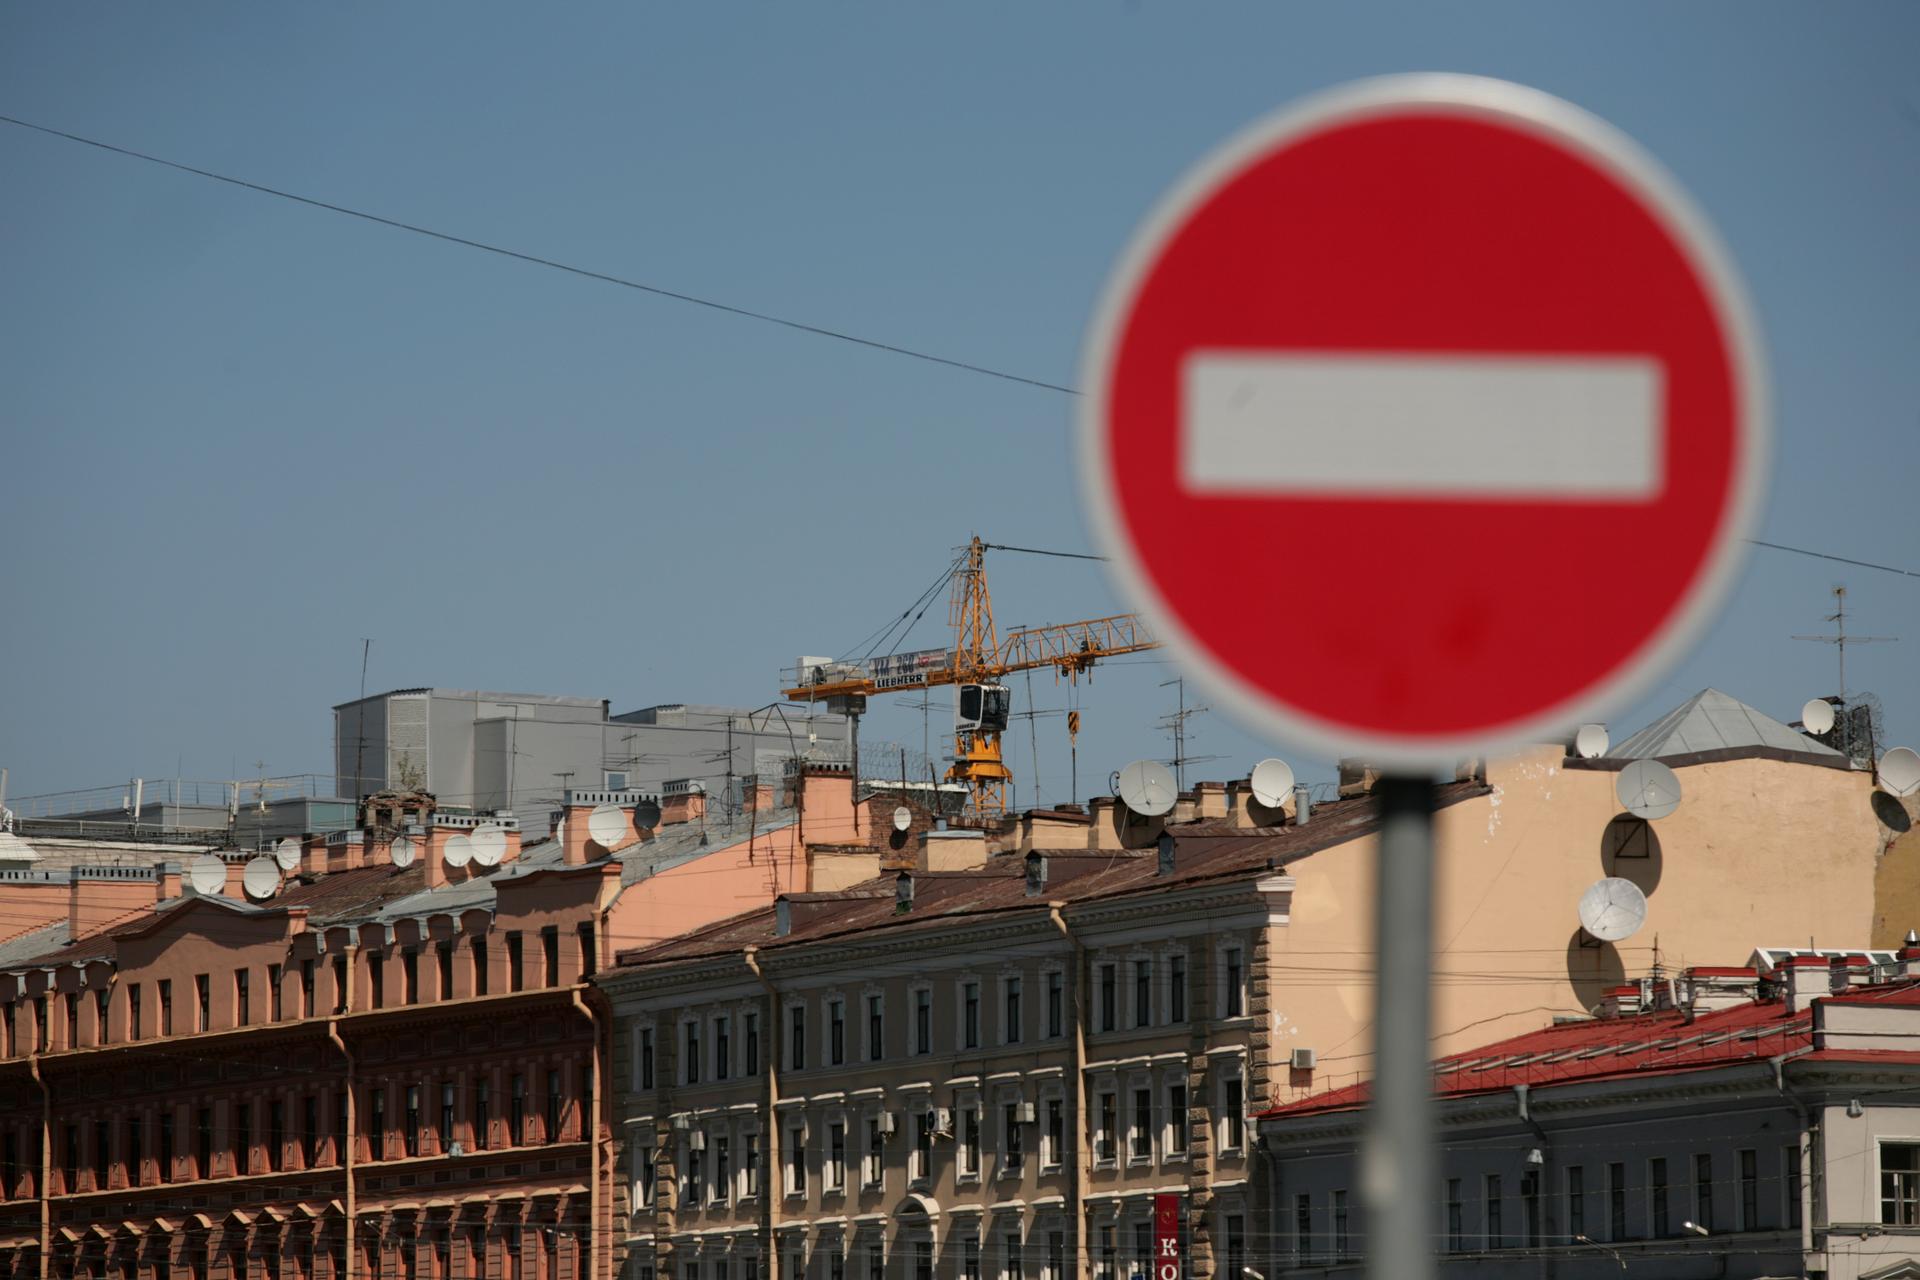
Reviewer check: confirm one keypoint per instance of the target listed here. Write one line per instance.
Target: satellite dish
(489, 838)
(607, 824)
(1900, 772)
(207, 874)
(286, 855)
(1613, 909)
(401, 853)
(646, 814)
(1147, 788)
(261, 879)
(1591, 742)
(902, 818)
(1817, 715)
(1272, 783)
(1648, 789)
(458, 851)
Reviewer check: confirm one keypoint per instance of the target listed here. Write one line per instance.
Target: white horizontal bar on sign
(1453, 426)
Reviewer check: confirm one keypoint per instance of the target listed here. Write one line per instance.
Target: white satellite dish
(207, 874)
(608, 825)
(261, 879)
(1900, 772)
(401, 853)
(1817, 715)
(1613, 909)
(1648, 789)
(646, 815)
(1591, 742)
(902, 818)
(286, 855)
(458, 851)
(1272, 783)
(489, 839)
(1147, 788)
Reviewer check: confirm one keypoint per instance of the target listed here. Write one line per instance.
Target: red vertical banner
(1166, 1237)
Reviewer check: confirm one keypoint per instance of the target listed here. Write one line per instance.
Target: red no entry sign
(1424, 418)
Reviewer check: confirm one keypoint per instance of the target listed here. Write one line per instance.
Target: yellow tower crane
(976, 663)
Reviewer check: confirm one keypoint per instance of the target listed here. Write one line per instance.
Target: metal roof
(1713, 721)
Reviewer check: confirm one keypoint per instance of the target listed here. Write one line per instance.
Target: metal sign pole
(1399, 1173)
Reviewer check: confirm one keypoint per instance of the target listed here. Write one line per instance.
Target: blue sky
(238, 434)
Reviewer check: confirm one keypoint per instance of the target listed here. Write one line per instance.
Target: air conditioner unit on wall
(697, 1140)
(887, 1124)
(1026, 1113)
(942, 1121)
(1303, 1059)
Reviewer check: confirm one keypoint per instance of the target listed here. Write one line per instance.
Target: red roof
(1634, 1045)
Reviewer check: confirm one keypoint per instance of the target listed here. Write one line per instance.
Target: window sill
(1139, 1162)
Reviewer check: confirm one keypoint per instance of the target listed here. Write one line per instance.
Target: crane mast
(975, 664)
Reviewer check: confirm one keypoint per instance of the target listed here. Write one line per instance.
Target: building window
(482, 1114)
(1237, 1237)
(1109, 996)
(1010, 1248)
(970, 1258)
(478, 948)
(690, 1051)
(102, 1153)
(1142, 993)
(72, 1005)
(1056, 1004)
(410, 1136)
(133, 1011)
(1011, 1027)
(443, 967)
(1790, 1163)
(1749, 1191)
(203, 1143)
(876, 1153)
(377, 980)
(131, 1153)
(1141, 1144)
(1177, 1118)
(339, 984)
(836, 1032)
(1053, 1147)
(550, 953)
(1303, 1228)
(1616, 1201)
(923, 1020)
(1659, 1199)
(750, 1153)
(275, 974)
(516, 962)
(309, 1130)
(722, 1168)
(410, 975)
(1235, 978)
(922, 1170)
(517, 1111)
(1106, 1257)
(1107, 1113)
(796, 1159)
(242, 1152)
(1703, 1190)
(166, 1006)
(1233, 1119)
(203, 995)
(444, 1139)
(306, 988)
(1576, 1201)
(553, 1104)
(1456, 1218)
(970, 1141)
(643, 1177)
(836, 1156)
(1530, 1207)
(643, 1057)
(722, 1046)
(969, 1015)
(797, 1038)
(1056, 1256)
(1496, 1230)
(1012, 1147)
(616, 779)
(750, 1034)
(165, 1159)
(876, 1028)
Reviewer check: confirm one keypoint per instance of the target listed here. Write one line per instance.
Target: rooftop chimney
(1802, 979)
(903, 893)
(1164, 867)
(1036, 874)
(681, 801)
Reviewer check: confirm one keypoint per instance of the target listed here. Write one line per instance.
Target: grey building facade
(519, 751)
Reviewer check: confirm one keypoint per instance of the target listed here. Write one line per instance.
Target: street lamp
(1696, 1228)
(1251, 1273)
(1589, 1240)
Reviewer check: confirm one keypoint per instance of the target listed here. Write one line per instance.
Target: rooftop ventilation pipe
(1302, 804)
(1036, 873)
(1167, 846)
(903, 893)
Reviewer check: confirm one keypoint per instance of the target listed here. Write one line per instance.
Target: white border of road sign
(1608, 150)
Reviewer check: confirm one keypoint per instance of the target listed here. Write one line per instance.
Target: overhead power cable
(606, 278)
(713, 304)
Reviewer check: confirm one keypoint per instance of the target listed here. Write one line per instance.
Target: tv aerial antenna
(1176, 724)
(1840, 639)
